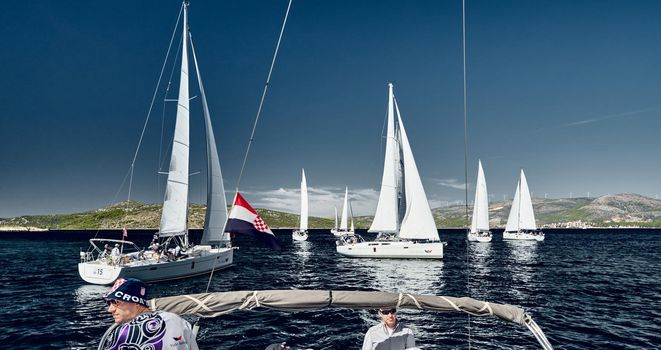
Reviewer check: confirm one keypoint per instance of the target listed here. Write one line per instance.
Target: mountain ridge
(618, 210)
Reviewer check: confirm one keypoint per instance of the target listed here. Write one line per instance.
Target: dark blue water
(587, 289)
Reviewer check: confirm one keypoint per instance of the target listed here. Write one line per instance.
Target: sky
(567, 90)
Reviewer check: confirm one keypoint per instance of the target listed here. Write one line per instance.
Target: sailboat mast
(175, 204)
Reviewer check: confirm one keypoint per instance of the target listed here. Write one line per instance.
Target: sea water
(587, 289)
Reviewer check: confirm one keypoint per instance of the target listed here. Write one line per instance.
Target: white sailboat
(335, 228)
(302, 233)
(521, 221)
(184, 260)
(403, 218)
(479, 230)
(344, 229)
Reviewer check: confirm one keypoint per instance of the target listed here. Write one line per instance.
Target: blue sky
(567, 90)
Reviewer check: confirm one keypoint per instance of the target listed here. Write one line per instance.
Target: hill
(606, 211)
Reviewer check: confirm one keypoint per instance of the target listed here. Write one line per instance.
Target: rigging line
(463, 32)
(151, 105)
(261, 102)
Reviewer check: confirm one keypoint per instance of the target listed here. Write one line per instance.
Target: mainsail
(386, 218)
(480, 220)
(175, 205)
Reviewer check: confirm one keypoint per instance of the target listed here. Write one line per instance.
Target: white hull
(150, 270)
(393, 249)
(299, 235)
(524, 236)
(339, 233)
(482, 237)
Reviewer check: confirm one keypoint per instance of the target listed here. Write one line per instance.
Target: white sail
(526, 214)
(345, 211)
(304, 203)
(418, 222)
(353, 228)
(335, 219)
(481, 205)
(386, 218)
(216, 215)
(521, 215)
(175, 205)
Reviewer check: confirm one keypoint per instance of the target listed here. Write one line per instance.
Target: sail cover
(386, 218)
(175, 205)
(216, 304)
(480, 220)
(216, 215)
(418, 222)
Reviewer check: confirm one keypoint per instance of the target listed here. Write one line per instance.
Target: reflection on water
(522, 263)
(479, 260)
(402, 275)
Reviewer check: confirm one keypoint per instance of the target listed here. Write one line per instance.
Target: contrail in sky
(602, 118)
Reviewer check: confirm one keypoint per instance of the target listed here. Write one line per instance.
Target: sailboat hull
(299, 235)
(393, 250)
(524, 236)
(339, 233)
(99, 272)
(482, 237)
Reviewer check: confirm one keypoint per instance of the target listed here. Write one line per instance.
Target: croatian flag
(244, 219)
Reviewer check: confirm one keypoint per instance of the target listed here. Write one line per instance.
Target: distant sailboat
(335, 228)
(521, 222)
(302, 233)
(344, 221)
(479, 230)
(214, 252)
(403, 218)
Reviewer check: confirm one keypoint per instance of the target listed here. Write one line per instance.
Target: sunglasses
(113, 302)
(388, 312)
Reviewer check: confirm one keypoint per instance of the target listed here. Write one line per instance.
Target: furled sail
(386, 218)
(175, 205)
(216, 215)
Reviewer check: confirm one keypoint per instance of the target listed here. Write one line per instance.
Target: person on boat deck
(388, 334)
(106, 251)
(137, 327)
(114, 254)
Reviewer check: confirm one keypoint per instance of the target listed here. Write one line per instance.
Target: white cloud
(322, 200)
(452, 183)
